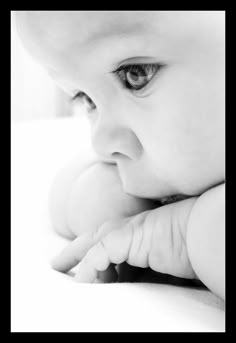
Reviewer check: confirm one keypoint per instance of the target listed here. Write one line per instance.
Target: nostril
(86, 99)
(91, 103)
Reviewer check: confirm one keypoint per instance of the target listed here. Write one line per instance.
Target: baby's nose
(111, 141)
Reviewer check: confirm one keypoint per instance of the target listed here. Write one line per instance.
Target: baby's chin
(148, 186)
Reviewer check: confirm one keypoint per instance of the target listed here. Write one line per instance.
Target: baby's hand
(154, 238)
(85, 194)
(97, 196)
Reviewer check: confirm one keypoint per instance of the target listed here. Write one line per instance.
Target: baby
(152, 85)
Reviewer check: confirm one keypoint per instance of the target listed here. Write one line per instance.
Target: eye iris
(139, 76)
(134, 79)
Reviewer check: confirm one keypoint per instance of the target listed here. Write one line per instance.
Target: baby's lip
(173, 198)
(107, 161)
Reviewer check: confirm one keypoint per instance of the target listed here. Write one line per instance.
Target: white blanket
(43, 300)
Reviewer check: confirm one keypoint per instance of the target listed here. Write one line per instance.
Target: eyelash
(125, 68)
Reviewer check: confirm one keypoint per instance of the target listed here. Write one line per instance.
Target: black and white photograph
(118, 171)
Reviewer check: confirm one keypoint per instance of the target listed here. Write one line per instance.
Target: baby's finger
(78, 248)
(73, 253)
(113, 248)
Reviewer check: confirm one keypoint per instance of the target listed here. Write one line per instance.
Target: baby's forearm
(206, 239)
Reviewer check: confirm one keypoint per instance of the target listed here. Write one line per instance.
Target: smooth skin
(165, 139)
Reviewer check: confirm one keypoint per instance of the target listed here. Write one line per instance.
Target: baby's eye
(136, 76)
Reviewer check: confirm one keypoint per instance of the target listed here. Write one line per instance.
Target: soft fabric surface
(43, 300)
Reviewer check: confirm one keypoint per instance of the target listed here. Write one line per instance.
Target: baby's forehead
(56, 36)
(84, 25)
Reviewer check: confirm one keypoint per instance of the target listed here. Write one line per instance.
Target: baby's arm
(153, 238)
(169, 239)
(206, 239)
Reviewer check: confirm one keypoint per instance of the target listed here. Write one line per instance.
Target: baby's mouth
(130, 189)
(173, 198)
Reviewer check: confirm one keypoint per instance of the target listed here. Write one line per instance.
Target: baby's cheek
(97, 197)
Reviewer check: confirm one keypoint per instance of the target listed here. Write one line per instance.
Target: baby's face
(152, 86)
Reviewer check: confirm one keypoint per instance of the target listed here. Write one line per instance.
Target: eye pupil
(133, 76)
(137, 78)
